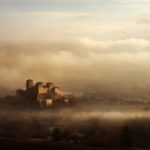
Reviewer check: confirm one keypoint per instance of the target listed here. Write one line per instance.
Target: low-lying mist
(103, 126)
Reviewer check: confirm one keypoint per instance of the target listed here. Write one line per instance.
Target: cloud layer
(75, 42)
(76, 62)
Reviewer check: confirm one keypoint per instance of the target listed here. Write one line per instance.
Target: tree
(56, 134)
(126, 139)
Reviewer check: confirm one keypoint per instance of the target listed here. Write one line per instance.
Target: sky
(75, 42)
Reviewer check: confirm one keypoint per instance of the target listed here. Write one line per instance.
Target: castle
(44, 95)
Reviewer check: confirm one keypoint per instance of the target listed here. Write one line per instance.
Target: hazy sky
(81, 41)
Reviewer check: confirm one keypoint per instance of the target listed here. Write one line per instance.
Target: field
(9, 144)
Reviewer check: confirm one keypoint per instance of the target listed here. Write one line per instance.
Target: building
(44, 95)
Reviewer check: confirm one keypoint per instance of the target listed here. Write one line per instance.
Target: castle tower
(29, 84)
(49, 85)
(39, 84)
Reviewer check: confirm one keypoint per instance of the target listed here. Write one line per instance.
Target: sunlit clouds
(91, 41)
